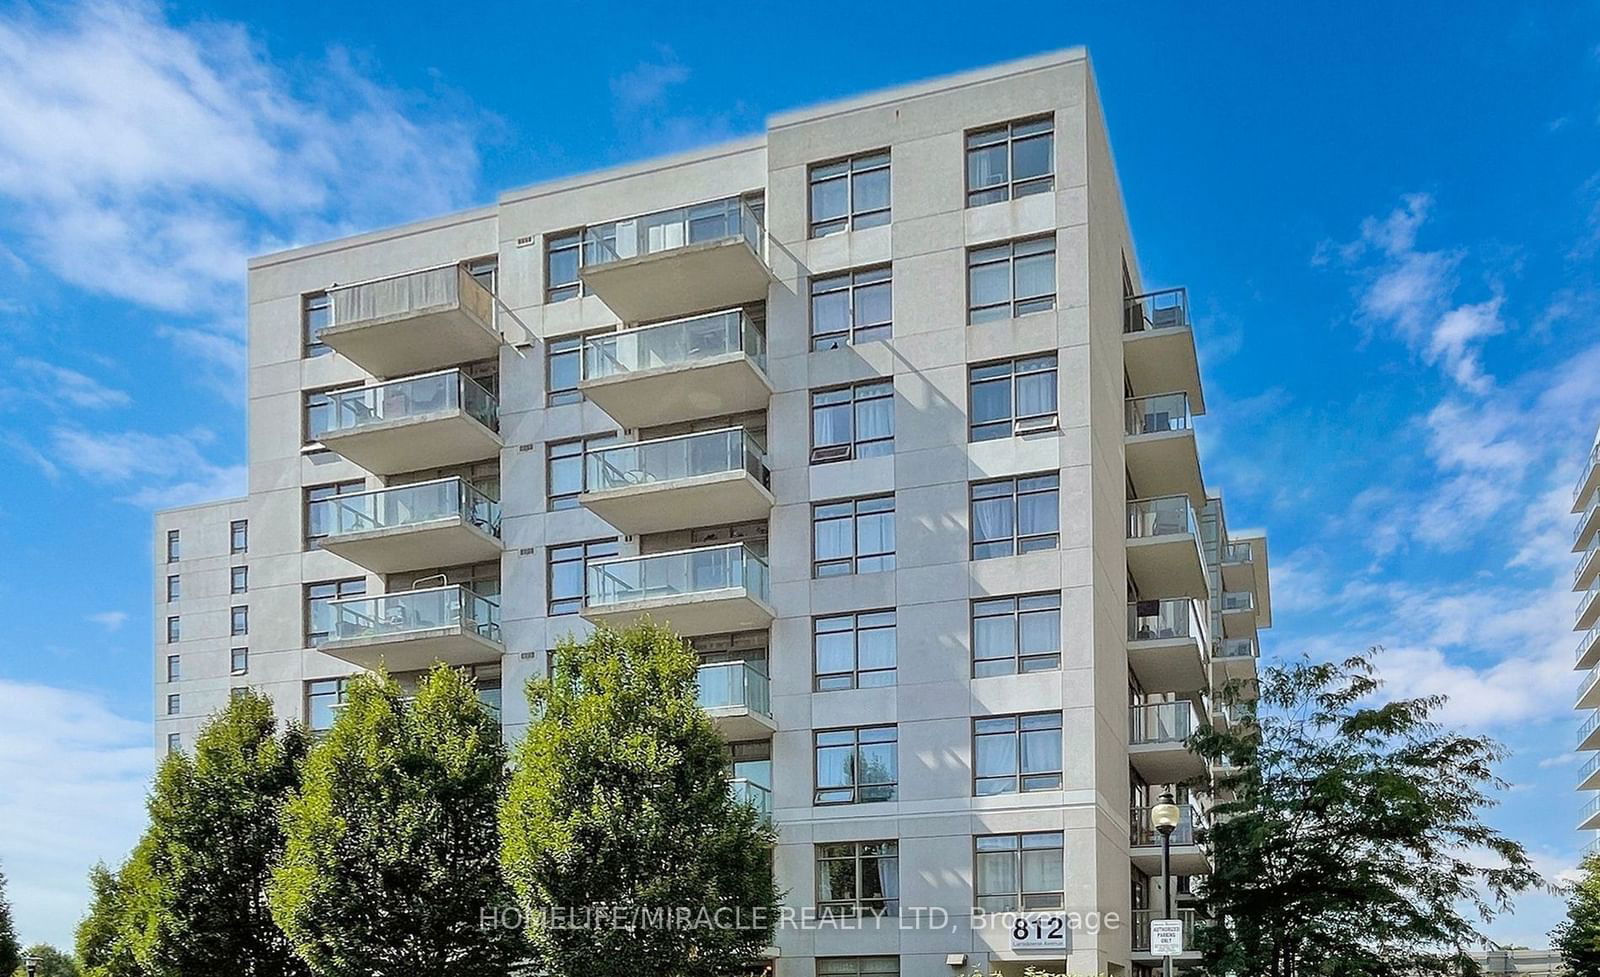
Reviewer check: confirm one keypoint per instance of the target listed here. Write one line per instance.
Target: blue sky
(1388, 216)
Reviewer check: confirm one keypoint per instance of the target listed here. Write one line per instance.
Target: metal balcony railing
(682, 573)
(1588, 682)
(673, 459)
(399, 614)
(351, 410)
(408, 505)
(1588, 469)
(1144, 836)
(1170, 515)
(681, 343)
(1141, 926)
(1589, 726)
(1166, 309)
(1158, 414)
(1588, 640)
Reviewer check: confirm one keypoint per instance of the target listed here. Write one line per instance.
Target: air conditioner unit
(1034, 425)
(832, 452)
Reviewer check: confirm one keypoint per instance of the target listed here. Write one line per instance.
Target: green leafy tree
(1577, 938)
(110, 934)
(214, 836)
(52, 962)
(10, 949)
(619, 804)
(391, 867)
(1352, 843)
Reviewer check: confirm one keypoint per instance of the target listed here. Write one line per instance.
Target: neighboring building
(876, 409)
(1527, 963)
(1586, 581)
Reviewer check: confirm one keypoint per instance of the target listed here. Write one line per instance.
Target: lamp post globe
(32, 963)
(1165, 816)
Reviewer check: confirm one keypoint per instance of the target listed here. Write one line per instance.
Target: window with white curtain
(852, 536)
(1012, 635)
(857, 766)
(1011, 160)
(1012, 397)
(852, 422)
(1019, 873)
(1012, 754)
(1016, 515)
(1010, 279)
(851, 307)
(854, 651)
(850, 194)
(858, 878)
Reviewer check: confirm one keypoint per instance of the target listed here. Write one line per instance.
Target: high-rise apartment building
(1586, 581)
(876, 409)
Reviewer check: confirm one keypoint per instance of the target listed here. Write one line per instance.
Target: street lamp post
(1164, 817)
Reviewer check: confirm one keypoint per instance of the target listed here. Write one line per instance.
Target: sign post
(1166, 937)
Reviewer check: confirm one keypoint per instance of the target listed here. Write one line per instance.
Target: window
(857, 878)
(320, 622)
(174, 742)
(858, 967)
(239, 660)
(485, 271)
(174, 668)
(173, 630)
(172, 546)
(320, 503)
(319, 414)
(561, 259)
(1011, 279)
(857, 766)
(172, 588)
(1016, 634)
(854, 651)
(852, 536)
(1016, 753)
(1009, 161)
(1012, 397)
(239, 536)
(174, 704)
(316, 313)
(564, 469)
(853, 307)
(852, 422)
(567, 565)
(563, 368)
(1019, 873)
(238, 621)
(238, 580)
(1016, 515)
(850, 194)
(323, 699)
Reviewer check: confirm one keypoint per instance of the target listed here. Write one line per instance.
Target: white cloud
(146, 160)
(76, 775)
(647, 82)
(644, 115)
(159, 470)
(112, 621)
(220, 359)
(60, 388)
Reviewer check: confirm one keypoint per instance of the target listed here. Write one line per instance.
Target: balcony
(706, 256)
(1141, 933)
(1591, 815)
(1589, 733)
(1188, 858)
(709, 590)
(431, 421)
(1158, 346)
(1589, 691)
(1158, 742)
(1159, 443)
(1588, 569)
(1589, 648)
(441, 523)
(1588, 528)
(1236, 658)
(1588, 480)
(706, 366)
(1164, 548)
(421, 320)
(738, 697)
(410, 630)
(1238, 609)
(706, 479)
(1588, 610)
(749, 792)
(1167, 644)
(1589, 778)
(1238, 566)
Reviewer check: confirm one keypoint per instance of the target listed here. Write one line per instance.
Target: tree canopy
(1577, 938)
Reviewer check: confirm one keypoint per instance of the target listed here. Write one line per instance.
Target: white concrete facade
(1103, 445)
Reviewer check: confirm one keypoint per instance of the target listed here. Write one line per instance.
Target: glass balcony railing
(1592, 808)
(683, 343)
(1586, 519)
(1171, 515)
(1587, 604)
(1141, 926)
(683, 573)
(1167, 309)
(751, 793)
(1144, 835)
(1589, 726)
(1158, 620)
(413, 293)
(1238, 553)
(410, 611)
(1588, 640)
(1589, 679)
(1237, 600)
(719, 220)
(408, 505)
(1162, 722)
(1588, 469)
(1588, 558)
(671, 459)
(1236, 648)
(726, 685)
(1590, 767)
(351, 410)
(1158, 414)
